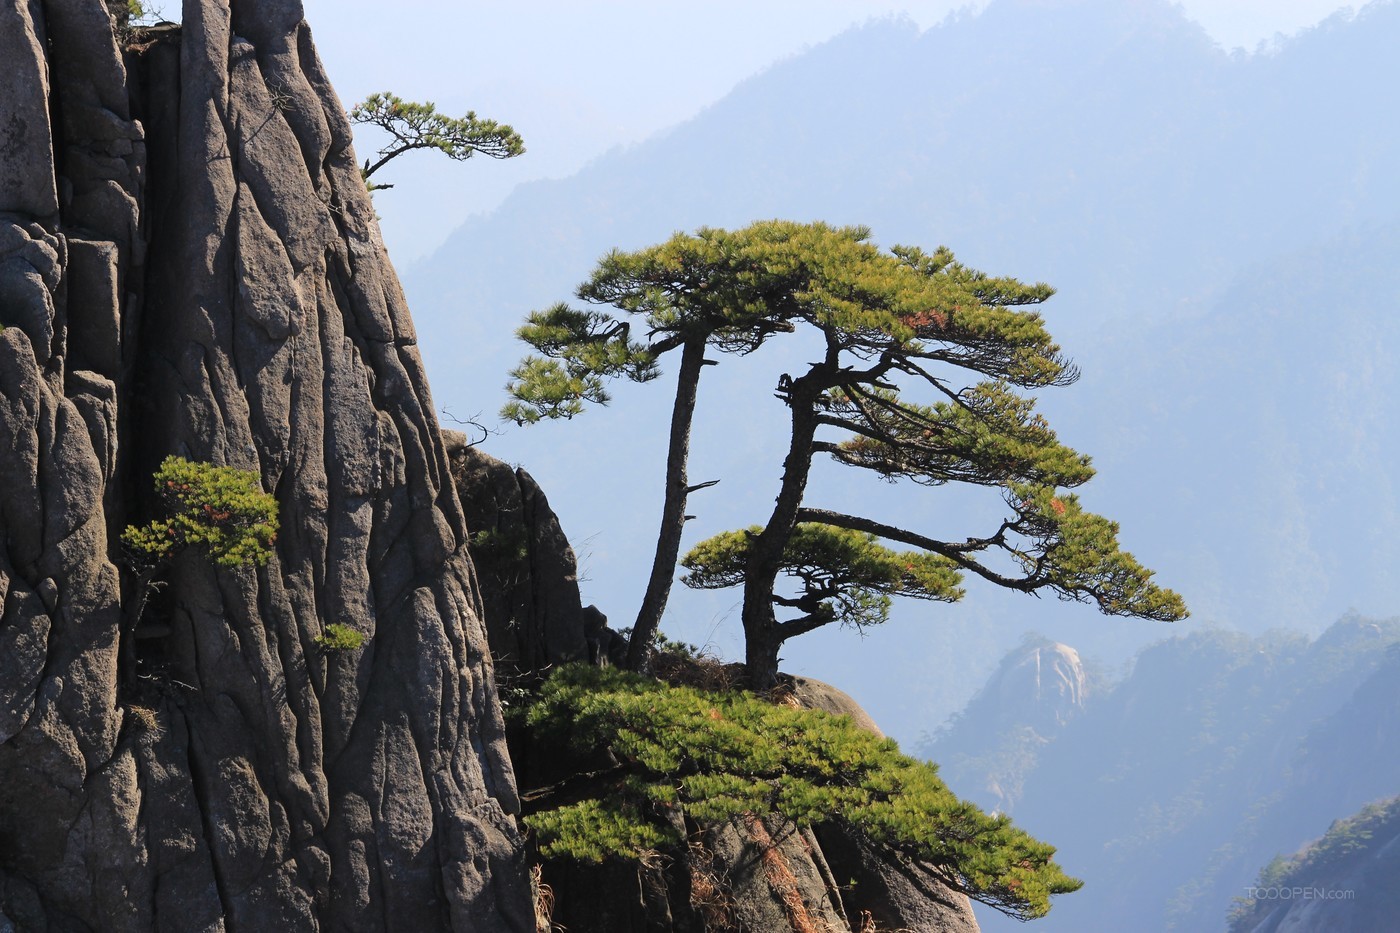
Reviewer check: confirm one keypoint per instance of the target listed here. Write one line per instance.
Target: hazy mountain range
(1222, 230)
(1168, 792)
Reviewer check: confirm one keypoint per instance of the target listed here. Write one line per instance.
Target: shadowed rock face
(529, 577)
(189, 264)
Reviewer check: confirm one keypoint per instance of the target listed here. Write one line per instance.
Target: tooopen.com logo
(1279, 893)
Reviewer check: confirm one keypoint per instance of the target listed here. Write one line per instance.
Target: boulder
(526, 568)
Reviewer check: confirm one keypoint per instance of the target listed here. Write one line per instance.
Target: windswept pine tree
(411, 125)
(891, 322)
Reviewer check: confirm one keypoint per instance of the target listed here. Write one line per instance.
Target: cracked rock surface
(190, 265)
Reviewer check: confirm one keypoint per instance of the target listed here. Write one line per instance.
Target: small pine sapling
(221, 512)
(340, 637)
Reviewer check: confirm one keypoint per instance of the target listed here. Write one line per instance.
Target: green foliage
(846, 576)
(500, 546)
(722, 755)
(681, 650)
(584, 348)
(1075, 554)
(124, 11)
(221, 511)
(412, 125)
(128, 14)
(986, 435)
(594, 830)
(737, 288)
(340, 637)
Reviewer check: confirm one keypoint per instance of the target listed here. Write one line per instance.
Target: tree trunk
(131, 620)
(761, 636)
(761, 645)
(668, 539)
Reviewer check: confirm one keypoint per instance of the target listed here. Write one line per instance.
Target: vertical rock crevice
(189, 264)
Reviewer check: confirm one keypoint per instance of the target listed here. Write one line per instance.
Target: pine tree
(218, 511)
(887, 320)
(903, 318)
(712, 757)
(412, 125)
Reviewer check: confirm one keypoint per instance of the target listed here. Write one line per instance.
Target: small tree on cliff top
(885, 318)
(413, 126)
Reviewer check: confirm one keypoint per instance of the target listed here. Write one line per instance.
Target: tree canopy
(845, 576)
(891, 323)
(219, 511)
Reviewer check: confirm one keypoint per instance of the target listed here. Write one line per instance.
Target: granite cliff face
(189, 264)
(531, 605)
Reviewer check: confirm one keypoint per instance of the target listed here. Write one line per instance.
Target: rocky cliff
(991, 746)
(529, 576)
(189, 265)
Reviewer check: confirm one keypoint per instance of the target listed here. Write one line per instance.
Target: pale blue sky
(578, 79)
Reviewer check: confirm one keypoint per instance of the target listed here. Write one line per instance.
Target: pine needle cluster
(220, 510)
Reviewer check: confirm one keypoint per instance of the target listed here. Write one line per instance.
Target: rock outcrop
(190, 265)
(1045, 684)
(1036, 691)
(529, 576)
